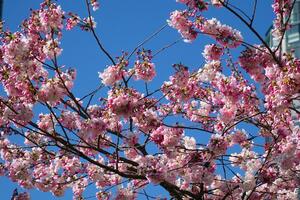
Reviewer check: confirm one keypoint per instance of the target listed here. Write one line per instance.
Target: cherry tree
(133, 139)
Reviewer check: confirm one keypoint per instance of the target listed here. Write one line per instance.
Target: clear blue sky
(122, 25)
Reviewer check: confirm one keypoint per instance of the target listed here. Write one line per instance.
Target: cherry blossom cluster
(143, 68)
(191, 22)
(212, 52)
(200, 5)
(282, 10)
(112, 74)
(224, 34)
(179, 20)
(188, 136)
(255, 61)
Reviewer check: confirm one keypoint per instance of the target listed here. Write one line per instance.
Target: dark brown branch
(96, 36)
(253, 12)
(253, 31)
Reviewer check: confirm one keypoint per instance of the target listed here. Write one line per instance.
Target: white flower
(189, 142)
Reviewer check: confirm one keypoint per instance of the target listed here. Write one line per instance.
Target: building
(291, 40)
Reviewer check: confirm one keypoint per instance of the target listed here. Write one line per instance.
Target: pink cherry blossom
(212, 52)
(179, 20)
(223, 127)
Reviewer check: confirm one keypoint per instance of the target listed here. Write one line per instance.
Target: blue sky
(122, 25)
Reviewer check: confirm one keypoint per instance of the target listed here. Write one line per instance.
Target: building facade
(291, 40)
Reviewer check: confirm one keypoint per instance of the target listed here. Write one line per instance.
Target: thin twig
(148, 39)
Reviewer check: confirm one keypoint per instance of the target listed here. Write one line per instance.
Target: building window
(295, 16)
(293, 34)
